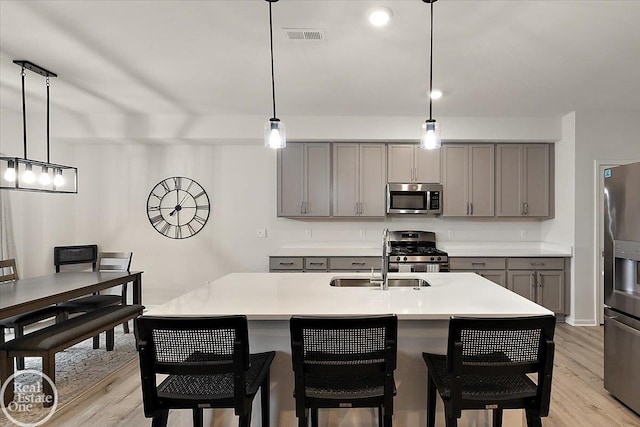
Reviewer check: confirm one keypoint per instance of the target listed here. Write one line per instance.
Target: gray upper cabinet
(304, 180)
(410, 163)
(468, 180)
(359, 179)
(523, 180)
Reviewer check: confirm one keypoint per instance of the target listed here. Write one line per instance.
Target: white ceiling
(491, 58)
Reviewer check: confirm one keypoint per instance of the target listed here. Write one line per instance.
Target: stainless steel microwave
(413, 198)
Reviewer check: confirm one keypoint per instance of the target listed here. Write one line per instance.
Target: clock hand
(179, 204)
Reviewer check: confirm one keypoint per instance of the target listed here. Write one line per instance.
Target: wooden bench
(48, 341)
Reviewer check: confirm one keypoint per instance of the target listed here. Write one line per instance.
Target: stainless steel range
(415, 251)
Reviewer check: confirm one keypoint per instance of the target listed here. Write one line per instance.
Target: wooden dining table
(24, 295)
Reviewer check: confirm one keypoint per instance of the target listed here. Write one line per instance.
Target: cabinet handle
(533, 283)
(316, 263)
(285, 263)
(301, 208)
(540, 280)
(477, 263)
(411, 170)
(470, 208)
(521, 208)
(537, 263)
(467, 208)
(358, 263)
(526, 208)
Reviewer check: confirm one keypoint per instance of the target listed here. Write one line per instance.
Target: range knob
(432, 258)
(397, 258)
(439, 258)
(405, 258)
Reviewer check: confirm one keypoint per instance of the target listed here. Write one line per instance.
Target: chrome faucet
(386, 249)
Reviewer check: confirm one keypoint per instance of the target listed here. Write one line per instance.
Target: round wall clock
(178, 207)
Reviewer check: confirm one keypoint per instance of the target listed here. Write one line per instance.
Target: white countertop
(454, 249)
(278, 296)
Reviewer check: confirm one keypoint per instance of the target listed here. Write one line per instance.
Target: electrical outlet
(523, 234)
(308, 233)
(262, 233)
(363, 233)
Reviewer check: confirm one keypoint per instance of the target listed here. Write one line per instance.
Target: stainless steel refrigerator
(622, 284)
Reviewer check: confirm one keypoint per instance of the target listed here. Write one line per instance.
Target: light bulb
(45, 178)
(274, 138)
(10, 173)
(430, 135)
(58, 179)
(28, 176)
(275, 134)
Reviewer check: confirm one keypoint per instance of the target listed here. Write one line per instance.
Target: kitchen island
(270, 299)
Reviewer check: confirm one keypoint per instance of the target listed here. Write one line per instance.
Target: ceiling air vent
(311, 34)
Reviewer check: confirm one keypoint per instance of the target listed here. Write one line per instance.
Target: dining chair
(9, 272)
(489, 364)
(345, 362)
(106, 261)
(208, 364)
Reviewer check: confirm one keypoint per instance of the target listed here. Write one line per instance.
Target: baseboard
(581, 322)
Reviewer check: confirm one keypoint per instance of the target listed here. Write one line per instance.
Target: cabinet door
(345, 179)
(400, 166)
(523, 283)
(291, 180)
(509, 186)
(455, 179)
(372, 179)
(551, 290)
(427, 165)
(481, 180)
(317, 180)
(496, 276)
(536, 179)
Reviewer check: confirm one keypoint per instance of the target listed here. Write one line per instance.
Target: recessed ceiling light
(380, 16)
(436, 94)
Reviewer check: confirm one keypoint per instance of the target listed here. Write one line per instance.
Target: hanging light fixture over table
(18, 173)
(274, 132)
(430, 137)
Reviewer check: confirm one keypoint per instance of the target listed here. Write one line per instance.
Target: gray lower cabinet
(541, 280)
(291, 264)
(489, 268)
(317, 264)
(354, 264)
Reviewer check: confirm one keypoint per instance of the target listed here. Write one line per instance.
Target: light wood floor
(578, 396)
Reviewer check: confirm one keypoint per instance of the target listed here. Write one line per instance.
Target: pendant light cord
(48, 161)
(273, 84)
(24, 116)
(431, 64)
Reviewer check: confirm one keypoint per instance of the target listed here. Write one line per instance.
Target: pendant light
(18, 173)
(274, 132)
(430, 135)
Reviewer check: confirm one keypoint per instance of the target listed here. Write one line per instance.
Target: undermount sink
(363, 282)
